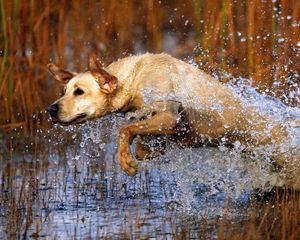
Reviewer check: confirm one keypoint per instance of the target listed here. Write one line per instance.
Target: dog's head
(87, 95)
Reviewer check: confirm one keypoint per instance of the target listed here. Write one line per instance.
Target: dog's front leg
(160, 124)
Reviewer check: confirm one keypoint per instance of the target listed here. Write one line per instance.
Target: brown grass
(238, 37)
(275, 216)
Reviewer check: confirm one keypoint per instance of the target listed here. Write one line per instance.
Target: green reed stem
(198, 17)
(15, 11)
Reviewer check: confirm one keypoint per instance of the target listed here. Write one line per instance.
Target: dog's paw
(128, 165)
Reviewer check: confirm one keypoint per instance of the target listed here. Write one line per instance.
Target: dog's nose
(53, 110)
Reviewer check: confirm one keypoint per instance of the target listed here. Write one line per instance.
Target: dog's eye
(78, 91)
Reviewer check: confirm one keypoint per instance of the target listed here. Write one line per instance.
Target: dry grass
(243, 38)
(274, 215)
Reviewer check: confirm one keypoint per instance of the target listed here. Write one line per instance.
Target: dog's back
(160, 77)
(211, 108)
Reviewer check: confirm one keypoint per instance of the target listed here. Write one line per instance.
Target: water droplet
(243, 39)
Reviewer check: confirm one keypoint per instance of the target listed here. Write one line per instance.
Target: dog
(165, 96)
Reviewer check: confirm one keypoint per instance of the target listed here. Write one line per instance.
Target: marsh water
(65, 183)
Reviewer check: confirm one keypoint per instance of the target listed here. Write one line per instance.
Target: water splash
(84, 176)
(195, 177)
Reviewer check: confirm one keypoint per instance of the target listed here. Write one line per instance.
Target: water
(67, 183)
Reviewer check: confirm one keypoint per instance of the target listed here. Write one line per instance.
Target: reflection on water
(66, 183)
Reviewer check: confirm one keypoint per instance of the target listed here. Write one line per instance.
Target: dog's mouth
(77, 118)
(74, 120)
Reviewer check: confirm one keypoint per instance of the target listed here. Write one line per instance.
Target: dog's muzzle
(53, 111)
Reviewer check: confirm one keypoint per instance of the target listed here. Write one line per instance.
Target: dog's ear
(60, 74)
(94, 62)
(107, 82)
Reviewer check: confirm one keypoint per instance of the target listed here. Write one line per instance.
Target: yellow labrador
(166, 96)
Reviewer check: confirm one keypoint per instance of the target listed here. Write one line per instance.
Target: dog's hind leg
(162, 123)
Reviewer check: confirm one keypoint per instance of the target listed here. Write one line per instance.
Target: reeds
(5, 68)
(253, 38)
(33, 192)
(279, 218)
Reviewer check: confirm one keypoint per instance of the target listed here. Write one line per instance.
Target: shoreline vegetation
(258, 40)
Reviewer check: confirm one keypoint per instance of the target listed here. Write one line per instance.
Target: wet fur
(163, 94)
